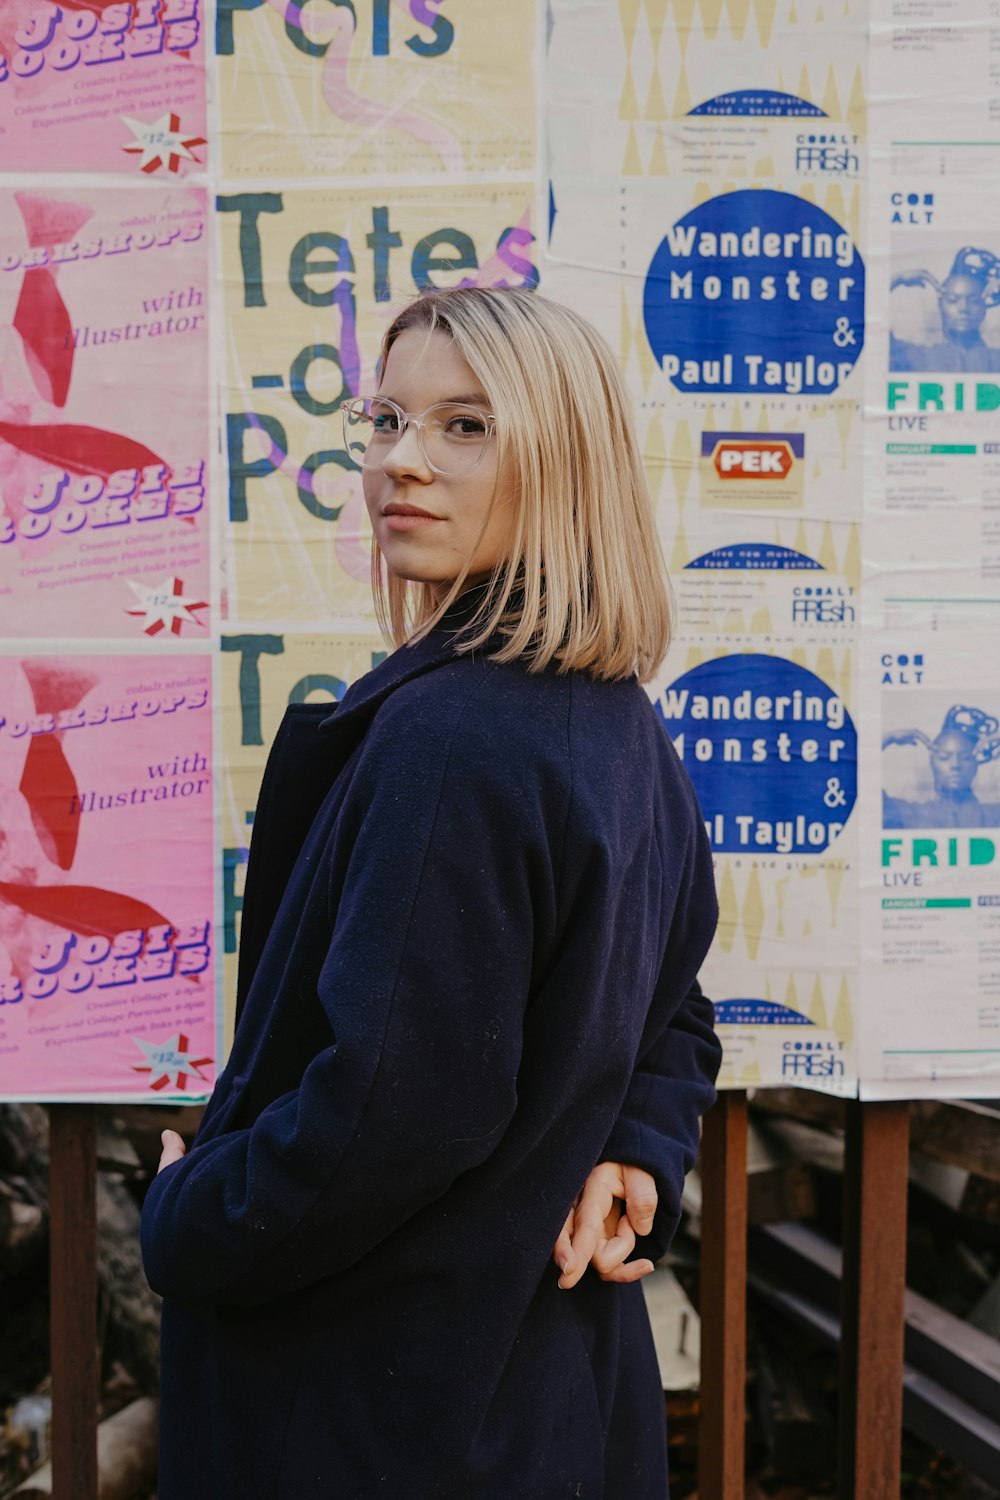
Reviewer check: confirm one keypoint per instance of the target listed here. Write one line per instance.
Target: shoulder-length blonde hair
(585, 583)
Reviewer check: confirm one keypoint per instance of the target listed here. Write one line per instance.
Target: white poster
(930, 810)
(933, 71)
(932, 471)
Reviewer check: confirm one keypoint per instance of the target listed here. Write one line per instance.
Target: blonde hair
(585, 583)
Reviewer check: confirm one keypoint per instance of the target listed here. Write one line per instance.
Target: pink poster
(102, 87)
(106, 877)
(104, 414)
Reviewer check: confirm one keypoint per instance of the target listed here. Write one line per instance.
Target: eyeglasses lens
(451, 438)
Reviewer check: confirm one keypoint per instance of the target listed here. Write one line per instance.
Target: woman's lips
(407, 521)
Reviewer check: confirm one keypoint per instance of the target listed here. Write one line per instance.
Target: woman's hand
(173, 1149)
(915, 278)
(905, 737)
(616, 1203)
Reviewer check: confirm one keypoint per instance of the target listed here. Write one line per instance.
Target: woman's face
(962, 305)
(419, 372)
(953, 763)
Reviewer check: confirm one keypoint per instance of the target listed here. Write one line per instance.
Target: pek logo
(912, 208)
(753, 459)
(903, 670)
(827, 153)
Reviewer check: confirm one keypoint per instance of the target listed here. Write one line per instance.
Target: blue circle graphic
(756, 291)
(755, 556)
(771, 750)
(757, 1013)
(757, 102)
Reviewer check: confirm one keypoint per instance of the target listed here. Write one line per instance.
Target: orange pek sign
(753, 458)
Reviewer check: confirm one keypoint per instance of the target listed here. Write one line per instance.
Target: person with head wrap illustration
(968, 739)
(970, 289)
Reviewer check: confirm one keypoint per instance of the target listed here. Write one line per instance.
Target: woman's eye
(466, 427)
(385, 421)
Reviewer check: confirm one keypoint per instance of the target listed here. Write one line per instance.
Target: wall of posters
(706, 213)
(107, 877)
(204, 230)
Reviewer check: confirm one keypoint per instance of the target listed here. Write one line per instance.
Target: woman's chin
(413, 571)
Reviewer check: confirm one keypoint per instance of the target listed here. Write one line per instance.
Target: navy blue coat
(476, 903)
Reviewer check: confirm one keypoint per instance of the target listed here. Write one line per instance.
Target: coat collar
(366, 694)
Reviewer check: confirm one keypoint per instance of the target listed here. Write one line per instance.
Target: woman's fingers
(609, 1260)
(641, 1198)
(635, 1270)
(610, 1254)
(173, 1148)
(601, 1229)
(596, 1202)
(562, 1254)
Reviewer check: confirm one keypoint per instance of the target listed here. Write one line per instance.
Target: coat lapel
(311, 748)
(346, 725)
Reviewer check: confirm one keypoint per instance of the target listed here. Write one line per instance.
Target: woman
(469, 1034)
(967, 740)
(968, 292)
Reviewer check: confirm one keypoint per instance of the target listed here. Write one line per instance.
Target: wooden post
(723, 1299)
(73, 1294)
(876, 1165)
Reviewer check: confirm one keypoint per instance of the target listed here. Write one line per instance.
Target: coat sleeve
(658, 1127)
(673, 1082)
(446, 868)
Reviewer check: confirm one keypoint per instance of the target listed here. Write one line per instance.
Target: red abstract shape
(51, 221)
(49, 787)
(84, 909)
(81, 450)
(43, 321)
(57, 686)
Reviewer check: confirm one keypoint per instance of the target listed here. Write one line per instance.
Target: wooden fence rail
(872, 1301)
(723, 1299)
(72, 1275)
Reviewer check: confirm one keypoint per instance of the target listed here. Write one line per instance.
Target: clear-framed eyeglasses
(452, 437)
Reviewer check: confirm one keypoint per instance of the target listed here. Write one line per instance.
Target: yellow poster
(262, 673)
(311, 280)
(388, 89)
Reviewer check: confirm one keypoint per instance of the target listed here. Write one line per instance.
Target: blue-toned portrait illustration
(945, 325)
(946, 795)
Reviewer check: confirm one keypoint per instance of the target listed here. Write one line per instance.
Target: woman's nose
(405, 457)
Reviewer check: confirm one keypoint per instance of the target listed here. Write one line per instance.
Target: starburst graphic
(161, 143)
(171, 1057)
(164, 607)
